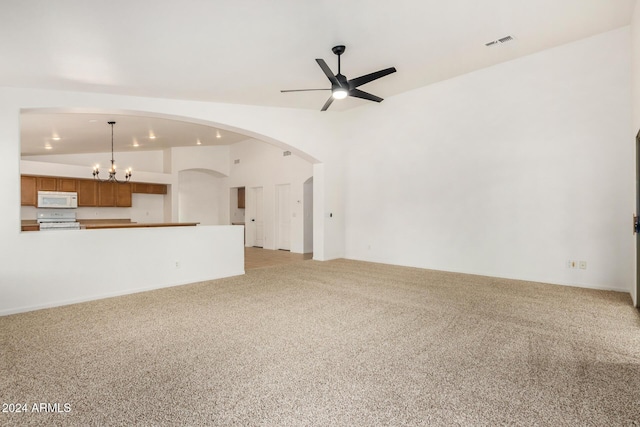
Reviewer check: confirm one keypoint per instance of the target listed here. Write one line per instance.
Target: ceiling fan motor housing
(338, 50)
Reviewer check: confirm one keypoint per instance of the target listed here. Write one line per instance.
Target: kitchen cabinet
(51, 183)
(123, 195)
(241, 198)
(106, 194)
(146, 188)
(111, 194)
(91, 193)
(66, 184)
(28, 190)
(47, 183)
(87, 192)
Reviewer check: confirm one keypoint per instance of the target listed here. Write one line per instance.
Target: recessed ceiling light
(198, 142)
(218, 134)
(48, 147)
(152, 137)
(56, 138)
(135, 144)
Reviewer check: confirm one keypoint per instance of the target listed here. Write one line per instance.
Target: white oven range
(57, 219)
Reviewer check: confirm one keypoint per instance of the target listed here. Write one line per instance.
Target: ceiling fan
(341, 87)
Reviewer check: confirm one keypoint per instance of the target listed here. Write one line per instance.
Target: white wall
(263, 165)
(509, 171)
(62, 267)
(215, 160)
(199, 199)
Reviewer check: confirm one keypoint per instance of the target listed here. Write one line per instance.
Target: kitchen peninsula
(93, 224)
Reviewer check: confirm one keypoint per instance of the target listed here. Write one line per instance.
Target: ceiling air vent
(286, 153)
(504, 39)
(236, 161)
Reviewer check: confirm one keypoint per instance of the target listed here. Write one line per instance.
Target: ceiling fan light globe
(340, 93)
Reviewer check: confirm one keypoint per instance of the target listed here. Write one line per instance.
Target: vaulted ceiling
(246, 51)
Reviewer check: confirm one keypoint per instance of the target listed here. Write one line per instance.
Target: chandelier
(112, 170)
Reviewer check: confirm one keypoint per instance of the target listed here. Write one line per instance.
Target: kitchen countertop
(92, 224)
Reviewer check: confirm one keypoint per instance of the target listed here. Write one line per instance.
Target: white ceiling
(246, 51)
(90, 133)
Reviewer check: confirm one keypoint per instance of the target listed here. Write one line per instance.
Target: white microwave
(57, 199)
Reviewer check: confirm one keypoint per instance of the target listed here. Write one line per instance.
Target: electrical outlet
(583, 265)
(572, 264)
(177, 264)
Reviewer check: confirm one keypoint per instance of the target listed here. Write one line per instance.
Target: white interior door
(257, 219)
(283, 215)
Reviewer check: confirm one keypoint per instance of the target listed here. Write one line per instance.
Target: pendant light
(112, 170)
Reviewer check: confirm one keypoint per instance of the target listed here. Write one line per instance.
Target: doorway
(635, 225)
(307, 209)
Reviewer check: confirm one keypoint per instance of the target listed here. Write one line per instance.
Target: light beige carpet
(336, 343)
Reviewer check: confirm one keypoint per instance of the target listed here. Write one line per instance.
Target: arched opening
(198, 169)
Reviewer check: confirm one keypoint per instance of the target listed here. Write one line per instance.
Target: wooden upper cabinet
(111, 194)
(106, 194)
(47, 183)
(241, 198)
(51, 183)
(67, 184)
(87, 192)
(145, 188)
(28, 190)
(90, 192)
(123, 195)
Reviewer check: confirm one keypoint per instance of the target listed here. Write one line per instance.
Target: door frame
(252, 210)
(635, 225)
(278, 203)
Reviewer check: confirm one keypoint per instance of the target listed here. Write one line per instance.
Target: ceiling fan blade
(328, 72)
(364, 95)
(327, 104)
(359, 81)
(301, 90)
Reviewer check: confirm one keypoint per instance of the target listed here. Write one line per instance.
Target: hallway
(260, 258)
